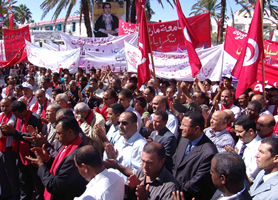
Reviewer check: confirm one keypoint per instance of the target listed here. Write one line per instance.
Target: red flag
(191, 42)
(138, 6)
(218, 29)
(11, 21)
(253, 51)
(143, 71)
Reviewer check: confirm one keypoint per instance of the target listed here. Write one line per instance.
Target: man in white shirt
(103, 183)
(28, 96)
(8, 172)
(8, 91)
(247, 145)
(46, 87)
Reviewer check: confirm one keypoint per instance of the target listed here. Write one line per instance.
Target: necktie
(243, 147)
(40, 110)
(188, 149)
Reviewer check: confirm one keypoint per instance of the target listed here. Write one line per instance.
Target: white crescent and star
(252, 53)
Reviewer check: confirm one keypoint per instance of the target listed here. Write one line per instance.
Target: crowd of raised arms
(92, 136)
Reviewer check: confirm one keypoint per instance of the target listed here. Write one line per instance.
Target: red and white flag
(191, 42)
(143, 71)
(253, 51)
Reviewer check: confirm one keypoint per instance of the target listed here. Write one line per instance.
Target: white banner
(53, 60)
(108, 46)
(176, 65)
(45, 35)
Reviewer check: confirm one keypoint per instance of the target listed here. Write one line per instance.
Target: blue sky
(166, 14)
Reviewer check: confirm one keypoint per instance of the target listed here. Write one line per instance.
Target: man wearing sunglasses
(125, 155)
(272, 103)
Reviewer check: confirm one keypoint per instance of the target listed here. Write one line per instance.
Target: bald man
(265, 126)
(261, 99)
(218, 133)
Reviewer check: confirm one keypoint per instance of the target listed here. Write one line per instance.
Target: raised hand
(142, 192)
(110, 151)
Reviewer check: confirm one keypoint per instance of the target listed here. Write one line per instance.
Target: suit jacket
(193, 172)
(267, 190)
(169, 141)
(67, 182)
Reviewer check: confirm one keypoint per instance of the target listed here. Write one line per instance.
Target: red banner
(18, 57)
(234, 42)
(14, 40)
(167, 36)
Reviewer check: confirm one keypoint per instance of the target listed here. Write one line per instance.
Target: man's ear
(223, 179)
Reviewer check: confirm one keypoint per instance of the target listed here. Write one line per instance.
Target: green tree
(48, 5)
(23, 13)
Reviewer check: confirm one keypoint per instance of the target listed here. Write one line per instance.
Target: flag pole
(149, 41)
(263, 69)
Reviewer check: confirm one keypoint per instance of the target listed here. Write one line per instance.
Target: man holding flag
(253, 51)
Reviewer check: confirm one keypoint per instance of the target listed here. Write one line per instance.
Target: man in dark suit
(26, 122)
(164, 136)
(62, 180)
(192, 159)
(228, 173)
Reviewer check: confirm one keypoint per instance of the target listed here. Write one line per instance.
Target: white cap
(27, 85)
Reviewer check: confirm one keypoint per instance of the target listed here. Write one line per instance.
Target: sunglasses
(106, 99)
(123, 123)
(275, 96)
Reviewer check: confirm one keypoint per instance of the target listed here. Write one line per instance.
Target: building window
(73, 26)
(239, 27)
(64, 28)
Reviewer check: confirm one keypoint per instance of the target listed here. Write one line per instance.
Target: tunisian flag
(191, 42)
(253, 51)
(143, 70)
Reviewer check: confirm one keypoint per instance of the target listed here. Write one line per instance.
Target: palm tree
(23, 13)
(221, 30)
(48, 5)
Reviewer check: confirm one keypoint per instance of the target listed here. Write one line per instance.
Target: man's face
(72, 86)
(82, 114)
(107, 9)
(40, 97)
(226, 98)
(45, 85)
(55, 78)
(163, 88)
(273, 97)
(170, 93)
(11, 80)
(18, 93)
(158, 123)
(227, 83)
(242, 100)
(95, 85)
(197, 98)
(216, 122)
(157, 104)
(112, 117)
(187, 129)
(264, 159)
(124, 101)
(62, 135)
(20, 115)
(151, 164)
(123, 80)
(67, 79)
(30, 81)
(244, 135)
(252, 112)
(216, 180)
(27, 92)
(88, 92)
(107, 99)
(5, 106)
(148, 96)
(50, 114)
(126, 127)
(262, 127)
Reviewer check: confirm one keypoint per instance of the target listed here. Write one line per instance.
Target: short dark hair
(67, 123)
(173, 81)
(165, 83)
(197, 119)
(112, 93)
(231, 166)
(133, 116)
(152, 91)
(18, 106)
(88, 155)
(117, 81)
(142, 100)
(246, 123)
(46, 79)
(126, 92)
(19, 86)
(103, 5)
(155, 147)
(273, 89)
(133, 80)
(65, 112)
(55, 74)
(208, 81)
(163, 114)
(203, 95)
(93, 79)
(273, 142)
(93, 70)
(164, 100)
(57, 90)
(117, 108)
(258, 106)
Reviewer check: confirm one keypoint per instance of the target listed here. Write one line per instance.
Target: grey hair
(56, 107)
(62, 96)
(82, 107)
(91, 87)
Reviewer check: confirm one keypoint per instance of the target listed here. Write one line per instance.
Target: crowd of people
(95, 135)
